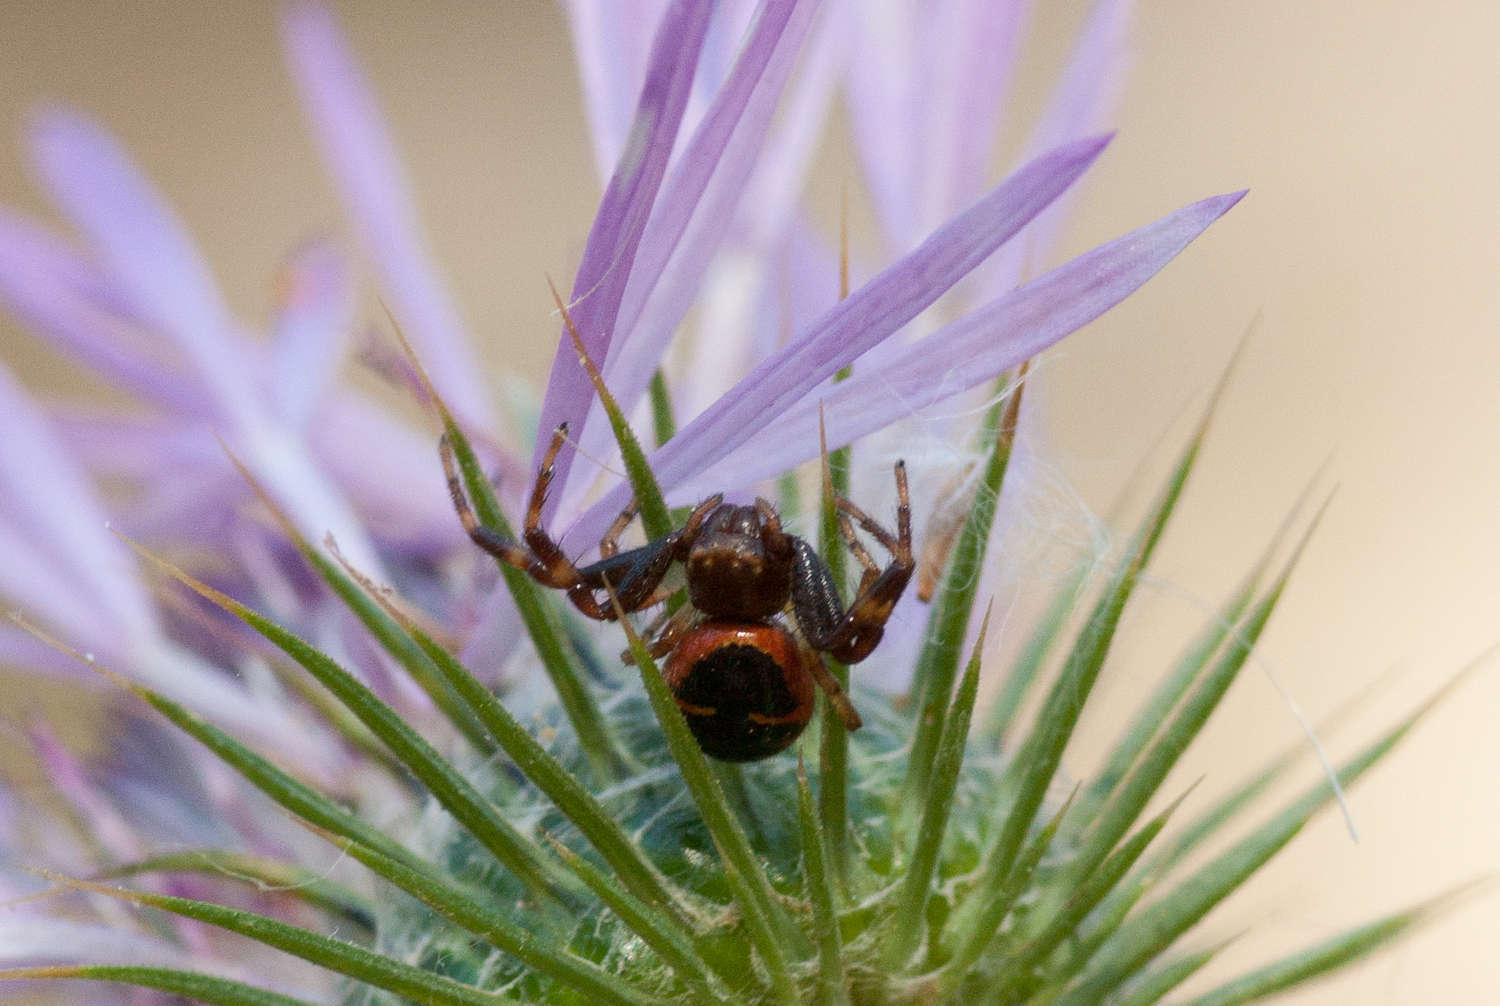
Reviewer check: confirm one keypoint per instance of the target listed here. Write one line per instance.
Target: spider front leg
(849, 635)
(609, 545)
(540, 556)
(636, 574)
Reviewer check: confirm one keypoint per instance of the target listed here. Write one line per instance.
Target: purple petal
(610, 252)
(57, 292)
(706, 159)
(703, 190)
(144, 249)
(978, 348)
(115, 835)
(347, 127)
(861, 321)
(313, 324)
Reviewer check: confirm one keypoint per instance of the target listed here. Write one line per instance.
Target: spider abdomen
(743, 687)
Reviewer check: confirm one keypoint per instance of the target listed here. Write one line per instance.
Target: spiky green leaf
(1036, 762)
(1154, 930)
(766, 922)
(948, 623)
(1317, 961)
(539, 612)
(655, 516)
(909, 920)
(262, 874)
(340, 956)
(831, 988)
(833, 746)
(192, 985)
(456, 794)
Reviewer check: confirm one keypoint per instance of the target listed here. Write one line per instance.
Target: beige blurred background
(1368, 248)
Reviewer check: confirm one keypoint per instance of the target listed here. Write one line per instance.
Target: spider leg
(664, 633)
(511, 553)
(860, 553)
(610, 544)
(547, 551)
(633, 574)
(898, 544)
(849, 635)
(831, 688)
(636, 573)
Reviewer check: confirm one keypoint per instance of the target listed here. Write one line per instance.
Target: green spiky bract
(929, 857)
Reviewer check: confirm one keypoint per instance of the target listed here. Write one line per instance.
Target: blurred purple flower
(702, 207)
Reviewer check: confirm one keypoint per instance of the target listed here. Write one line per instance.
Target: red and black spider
(741, 678)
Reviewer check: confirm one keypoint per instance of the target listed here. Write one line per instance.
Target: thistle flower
(456, 852)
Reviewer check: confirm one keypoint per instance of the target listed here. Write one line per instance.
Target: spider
(743, 680)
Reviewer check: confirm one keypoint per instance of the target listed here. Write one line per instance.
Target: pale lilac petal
(66, 568)
(702, 192)
(144, 248)
(46, 498)
(314, 320)
(854, 325)
(354, 143)
(111, 444)
(612, 47)
(968, 53)
(884, 113)
(44, 589)
(613, 240)
(752, 303)
(772, 195)
(282, 464)
(977, 348)
(496, 634)
(1082, 103)
(925, 114)
(398, 489)
(611, 43)
(21, 651)
(1085, 95)
(31, 939)
(741, 112)
(54, 290)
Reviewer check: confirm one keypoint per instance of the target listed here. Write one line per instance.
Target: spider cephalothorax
(740, 676)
